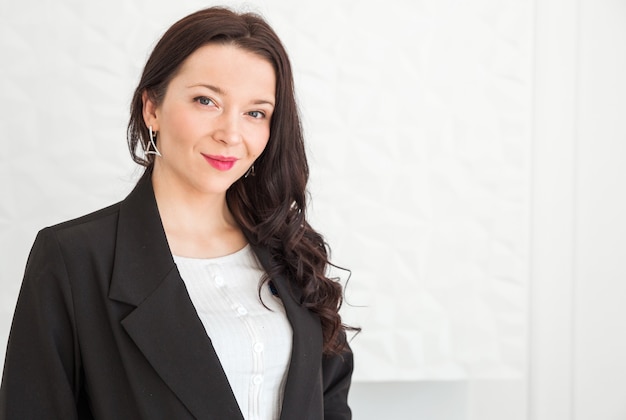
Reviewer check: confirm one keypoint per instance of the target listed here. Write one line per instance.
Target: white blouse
(252, 342)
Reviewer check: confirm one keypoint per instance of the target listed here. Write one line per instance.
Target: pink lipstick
(221, 163)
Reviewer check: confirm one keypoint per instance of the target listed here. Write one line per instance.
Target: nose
(227, 128)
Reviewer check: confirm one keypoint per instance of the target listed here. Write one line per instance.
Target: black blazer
(104, 329)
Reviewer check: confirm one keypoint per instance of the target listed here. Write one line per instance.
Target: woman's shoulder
(91, 237)
(95, 223)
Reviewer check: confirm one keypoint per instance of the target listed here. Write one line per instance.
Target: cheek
(182, 121)
(179, 121)
(262, 141)
(256, 138)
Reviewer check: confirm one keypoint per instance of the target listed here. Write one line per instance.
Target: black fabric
(104, 329)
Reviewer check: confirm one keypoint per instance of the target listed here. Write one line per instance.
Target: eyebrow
(220, 91)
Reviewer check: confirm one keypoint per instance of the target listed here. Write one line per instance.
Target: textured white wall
(417, 118)
(419, 121)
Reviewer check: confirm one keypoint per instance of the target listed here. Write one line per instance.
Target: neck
(196, 224)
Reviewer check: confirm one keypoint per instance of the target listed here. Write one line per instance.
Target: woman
(204, 293)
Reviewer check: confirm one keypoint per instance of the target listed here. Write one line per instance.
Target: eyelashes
(257, 114)
(206, 101)
(203, 100)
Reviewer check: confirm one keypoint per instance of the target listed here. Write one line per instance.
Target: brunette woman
(204, 294)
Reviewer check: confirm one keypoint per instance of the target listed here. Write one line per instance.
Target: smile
(221, 163)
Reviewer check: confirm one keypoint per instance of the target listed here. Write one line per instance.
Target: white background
(467, 165)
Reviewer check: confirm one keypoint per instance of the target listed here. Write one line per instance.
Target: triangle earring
(250, 171)
(152, 142)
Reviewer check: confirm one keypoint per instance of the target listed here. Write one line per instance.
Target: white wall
(577, 368)
(418, 124)
(599, 319)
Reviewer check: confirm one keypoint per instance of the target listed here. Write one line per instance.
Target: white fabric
(252, 342)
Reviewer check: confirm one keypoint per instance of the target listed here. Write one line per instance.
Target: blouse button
(219, 280)
(257, 379)
(258, 347)
(241, 310)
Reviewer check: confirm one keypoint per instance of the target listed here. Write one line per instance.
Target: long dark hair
(270, 207)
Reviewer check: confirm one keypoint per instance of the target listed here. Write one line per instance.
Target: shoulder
(57, 247)
(90, 223)
(79, 237)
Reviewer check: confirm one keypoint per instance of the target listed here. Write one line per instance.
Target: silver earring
(250, 171)
(152, 142)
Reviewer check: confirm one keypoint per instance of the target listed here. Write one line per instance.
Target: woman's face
(214, 119)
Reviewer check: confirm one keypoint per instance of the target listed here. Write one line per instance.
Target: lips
(221, 163)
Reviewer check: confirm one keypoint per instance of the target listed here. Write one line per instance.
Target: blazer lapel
(165, 325)
(306, 354)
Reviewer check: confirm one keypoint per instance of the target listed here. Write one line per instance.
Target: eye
(203, 100)
(257, 114)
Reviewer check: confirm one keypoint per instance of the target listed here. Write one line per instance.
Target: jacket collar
(166, 327)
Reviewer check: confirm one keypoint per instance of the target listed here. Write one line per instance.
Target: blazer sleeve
(337, 376)
(40, 378)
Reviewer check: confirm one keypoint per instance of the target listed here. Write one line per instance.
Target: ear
(149, 111)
